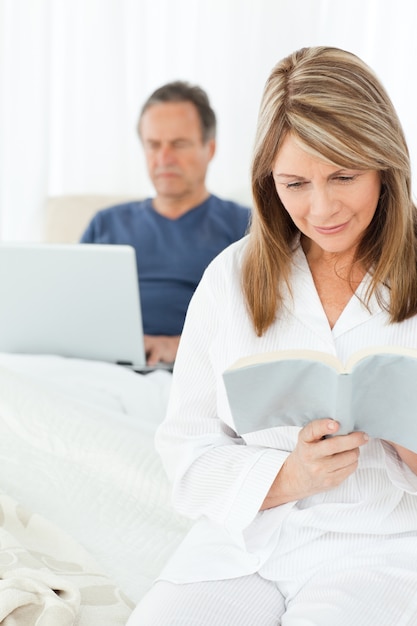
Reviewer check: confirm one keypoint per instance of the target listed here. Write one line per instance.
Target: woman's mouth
(330, 230)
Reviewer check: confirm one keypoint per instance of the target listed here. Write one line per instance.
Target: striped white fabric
(383, 596)
(221, 479)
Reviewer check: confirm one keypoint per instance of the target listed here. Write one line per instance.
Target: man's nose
(166, 155)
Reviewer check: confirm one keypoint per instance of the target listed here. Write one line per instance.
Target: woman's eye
(345, 179)
(295, 185)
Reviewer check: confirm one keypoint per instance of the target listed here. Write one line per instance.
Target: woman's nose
(322, 202)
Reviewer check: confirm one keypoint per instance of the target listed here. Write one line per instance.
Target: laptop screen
(74, 300)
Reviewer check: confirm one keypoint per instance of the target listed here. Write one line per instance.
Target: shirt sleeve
(88, 235)
(213, 471)
(399, 473)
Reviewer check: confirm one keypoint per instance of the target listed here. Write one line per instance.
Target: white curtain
(74, 73)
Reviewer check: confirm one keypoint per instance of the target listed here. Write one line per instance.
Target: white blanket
(47, 579)
(76, 446)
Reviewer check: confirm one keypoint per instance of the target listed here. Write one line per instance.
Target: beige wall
(66, 217)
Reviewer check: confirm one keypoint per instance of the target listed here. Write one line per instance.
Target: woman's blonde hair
(333, 103)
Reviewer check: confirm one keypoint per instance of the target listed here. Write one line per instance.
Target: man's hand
(161, 348)
(317, 463)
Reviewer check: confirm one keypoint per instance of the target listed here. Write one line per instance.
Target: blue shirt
(171, 254)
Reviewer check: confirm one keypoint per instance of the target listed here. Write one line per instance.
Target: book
(375, 391)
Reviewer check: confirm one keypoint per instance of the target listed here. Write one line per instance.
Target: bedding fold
(47, 579)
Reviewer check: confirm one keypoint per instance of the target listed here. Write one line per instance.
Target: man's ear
(211, 145)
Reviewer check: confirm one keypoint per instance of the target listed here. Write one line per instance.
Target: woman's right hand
(319, 462)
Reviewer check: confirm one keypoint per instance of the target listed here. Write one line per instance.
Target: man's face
(176, 156)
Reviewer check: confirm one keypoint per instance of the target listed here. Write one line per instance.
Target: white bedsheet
(76, 446)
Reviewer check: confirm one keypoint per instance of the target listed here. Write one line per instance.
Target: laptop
(73, 300)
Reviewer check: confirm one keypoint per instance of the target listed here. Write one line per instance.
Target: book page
(287, 355)
(362, 354)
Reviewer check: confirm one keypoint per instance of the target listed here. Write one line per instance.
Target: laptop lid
(74, 300)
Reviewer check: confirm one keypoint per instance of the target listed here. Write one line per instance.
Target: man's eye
(181, 144)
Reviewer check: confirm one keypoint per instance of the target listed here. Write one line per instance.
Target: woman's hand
(317, 463)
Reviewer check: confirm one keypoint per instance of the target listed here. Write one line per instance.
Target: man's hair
(336, 109)
(181, 91)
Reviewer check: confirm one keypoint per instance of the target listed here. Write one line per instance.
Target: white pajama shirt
(221, 479)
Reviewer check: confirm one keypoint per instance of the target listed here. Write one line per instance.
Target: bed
(85, 515)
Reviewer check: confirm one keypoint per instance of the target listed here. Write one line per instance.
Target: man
(180, 230)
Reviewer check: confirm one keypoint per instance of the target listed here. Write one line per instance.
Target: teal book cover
(375, 391)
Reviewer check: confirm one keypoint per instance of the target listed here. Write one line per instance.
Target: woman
(294, 527)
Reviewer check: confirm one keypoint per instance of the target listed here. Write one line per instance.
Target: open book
(375, 391)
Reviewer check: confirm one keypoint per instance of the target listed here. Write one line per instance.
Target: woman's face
(332, 206)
